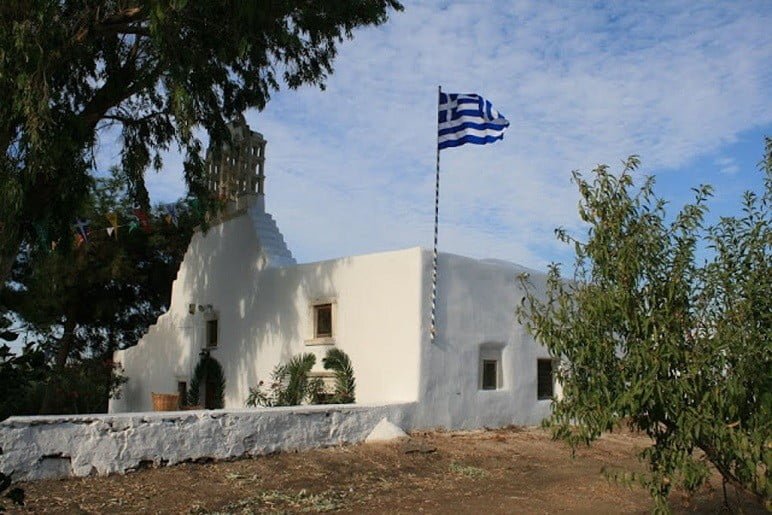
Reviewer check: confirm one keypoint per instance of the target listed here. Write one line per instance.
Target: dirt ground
(509, 470)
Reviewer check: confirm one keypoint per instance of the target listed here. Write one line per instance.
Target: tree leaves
(154, 70)
(345, 385)
(647, 336)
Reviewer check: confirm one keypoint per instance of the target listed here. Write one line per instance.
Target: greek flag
(468, 118)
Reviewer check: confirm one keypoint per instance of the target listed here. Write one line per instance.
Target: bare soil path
(509, 470)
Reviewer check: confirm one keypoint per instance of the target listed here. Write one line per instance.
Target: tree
(82, 301)
(649, 332)
(155, 70)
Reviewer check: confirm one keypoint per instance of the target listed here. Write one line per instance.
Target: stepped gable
(271, 240)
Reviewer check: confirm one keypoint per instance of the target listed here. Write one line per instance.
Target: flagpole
(436, 228)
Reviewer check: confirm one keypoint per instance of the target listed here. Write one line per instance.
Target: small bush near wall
(290, 384)
(210, 375)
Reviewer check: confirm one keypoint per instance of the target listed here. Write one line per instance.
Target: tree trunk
(65, 346)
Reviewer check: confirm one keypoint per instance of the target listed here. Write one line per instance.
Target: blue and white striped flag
(468, 118)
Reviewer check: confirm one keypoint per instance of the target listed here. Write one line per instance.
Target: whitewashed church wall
(265, 317)
(376, 318)
(381, 319)
(215, 263)
(476, 305)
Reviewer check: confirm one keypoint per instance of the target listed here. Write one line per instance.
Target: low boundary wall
(81, 445)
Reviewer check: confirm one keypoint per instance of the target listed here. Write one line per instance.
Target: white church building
(240, 296)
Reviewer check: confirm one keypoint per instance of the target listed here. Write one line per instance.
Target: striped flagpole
(436, 228)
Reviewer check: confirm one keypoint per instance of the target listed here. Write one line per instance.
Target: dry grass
(502, 471)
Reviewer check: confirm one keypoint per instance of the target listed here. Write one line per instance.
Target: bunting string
(138, 219)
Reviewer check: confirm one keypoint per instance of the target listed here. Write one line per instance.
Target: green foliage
(152, 69)
(344, 391)
(290, 384)
(645, 334)
(18, 375)
(79, 303)
(208, 372)
(83, 386)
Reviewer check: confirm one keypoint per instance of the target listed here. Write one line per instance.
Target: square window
(211, 333)
(489, 374)
(323, 321)
(545, 379)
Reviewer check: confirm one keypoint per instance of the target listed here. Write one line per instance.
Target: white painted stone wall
(60, 446)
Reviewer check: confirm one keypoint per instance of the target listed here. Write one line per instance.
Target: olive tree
(665, 325)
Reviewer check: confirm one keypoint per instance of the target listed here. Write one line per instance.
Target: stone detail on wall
(82, 445)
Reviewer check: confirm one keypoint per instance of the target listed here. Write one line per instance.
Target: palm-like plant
(295, 375)
(289, 386)
(345, 385)
(290, 383)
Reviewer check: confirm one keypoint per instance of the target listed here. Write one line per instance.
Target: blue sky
(350, 170)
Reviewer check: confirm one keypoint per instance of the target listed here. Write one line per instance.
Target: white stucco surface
(380, 319)
(47, 447)
(475, 318)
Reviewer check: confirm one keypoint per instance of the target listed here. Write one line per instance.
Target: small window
(544, 378)
(323, 321)
(182, 391)
(489, 374)
(211, 333)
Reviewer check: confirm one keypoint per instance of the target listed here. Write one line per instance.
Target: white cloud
(727, 165)
(351, 169)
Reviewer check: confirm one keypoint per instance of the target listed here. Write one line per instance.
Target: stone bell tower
(237, 169)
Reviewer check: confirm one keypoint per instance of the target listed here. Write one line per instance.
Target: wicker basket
(166, 401)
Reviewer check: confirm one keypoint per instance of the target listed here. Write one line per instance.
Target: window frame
(490, 352)
(207, 339)
(318, 310)
(314, 337)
